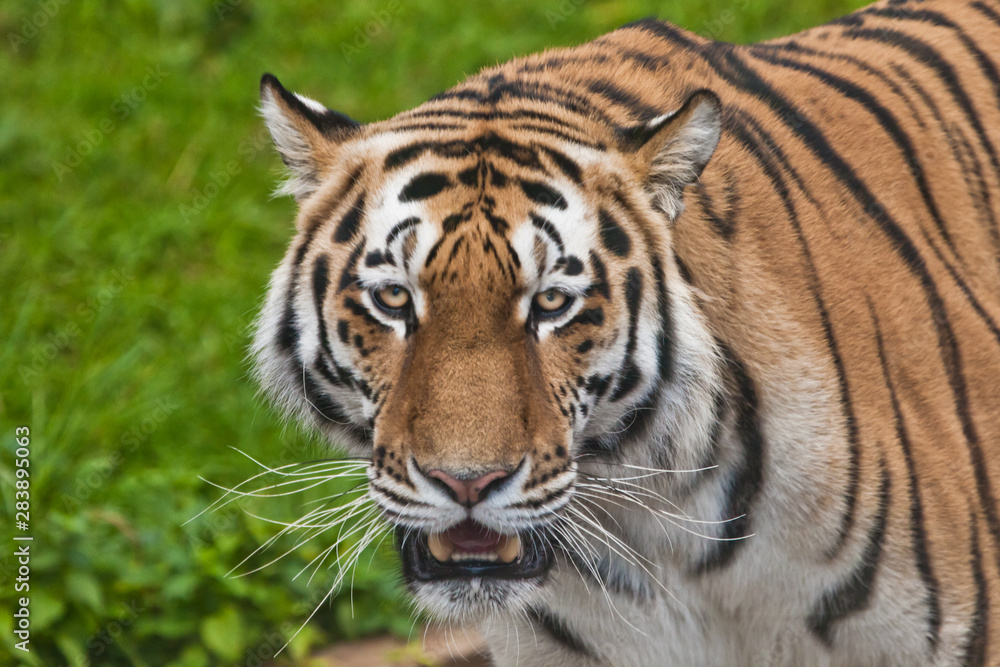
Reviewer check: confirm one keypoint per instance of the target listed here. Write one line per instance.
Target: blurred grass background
(136, 238)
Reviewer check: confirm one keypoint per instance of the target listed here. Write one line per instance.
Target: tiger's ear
(672, 150)
(305, 133)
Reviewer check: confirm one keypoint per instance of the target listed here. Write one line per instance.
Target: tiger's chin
(469, 573)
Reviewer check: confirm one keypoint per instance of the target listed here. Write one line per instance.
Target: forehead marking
(351, 221)
(425, 186)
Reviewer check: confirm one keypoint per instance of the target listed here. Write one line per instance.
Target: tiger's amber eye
(551, 300)
(393, 297)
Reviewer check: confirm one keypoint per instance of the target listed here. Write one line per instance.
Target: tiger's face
(478, 305)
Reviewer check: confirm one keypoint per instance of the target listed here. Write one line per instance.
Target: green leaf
(45, 608)
(223, 633)
(84, 588)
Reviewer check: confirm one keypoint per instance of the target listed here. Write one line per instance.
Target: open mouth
(469, 549)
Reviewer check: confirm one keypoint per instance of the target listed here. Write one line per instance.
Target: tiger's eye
(393, 297)
(551, 300)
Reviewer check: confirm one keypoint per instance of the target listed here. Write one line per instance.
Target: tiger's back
(841, 252)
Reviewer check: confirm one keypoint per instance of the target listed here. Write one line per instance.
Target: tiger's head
(482, 298)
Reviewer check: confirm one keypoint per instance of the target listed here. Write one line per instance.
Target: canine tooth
(509, 548)
(440, 546)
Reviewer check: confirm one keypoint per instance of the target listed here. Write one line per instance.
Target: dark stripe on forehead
(351, 221)
(348, 275)
(549, 230)
(333, 202)
(378, 258)
(399, 228)
(613, 236)
(567, 166)
(600, 284)
(573, 267)
(541, 193)
(490, 142)
(491, 115)
(424, 186)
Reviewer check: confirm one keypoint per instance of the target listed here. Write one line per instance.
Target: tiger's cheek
(375, 352)
(577, 363)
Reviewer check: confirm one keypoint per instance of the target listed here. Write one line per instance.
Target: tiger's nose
(468, 492)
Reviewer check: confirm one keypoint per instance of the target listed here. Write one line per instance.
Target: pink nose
(468, 492)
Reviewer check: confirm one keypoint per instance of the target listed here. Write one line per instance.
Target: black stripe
(664, 337)
(362, 312)
(885, 80)
(723, 227)
(853, 594)
(512, 115)
(630, 375)
(574, 266)
(567, 166)
(320, 283)
(847, 407)
(753, 84)
(590, 316)
(348, 275)
(559, 632)
(543, 194)
(986, 66)
(925, 54)
(614, 238)
(324, 407)
(600, 284)
(378, 258)
(490, 142)
(549, 229)
(400, 228)
(974, 654)
(775, 149)
(565, 136)
(287, 338)
(333, 202)
(917, 532)
(747, 477)
(351, 221)
(407, 127)
(620, 580)
(424, 186)
(885, 119)
(987, 11)
(609, 91)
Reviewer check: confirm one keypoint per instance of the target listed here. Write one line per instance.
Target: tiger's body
(807, 325)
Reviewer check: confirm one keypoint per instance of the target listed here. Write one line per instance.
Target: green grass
(136, 237)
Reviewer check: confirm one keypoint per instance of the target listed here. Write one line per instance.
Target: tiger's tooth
(440, 546)
(509, 548)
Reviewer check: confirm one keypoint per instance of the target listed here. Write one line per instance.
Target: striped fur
(785, 264)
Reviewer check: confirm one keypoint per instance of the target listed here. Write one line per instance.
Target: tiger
(670, 351)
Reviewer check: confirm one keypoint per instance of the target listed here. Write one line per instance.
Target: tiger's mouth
(471, 550)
